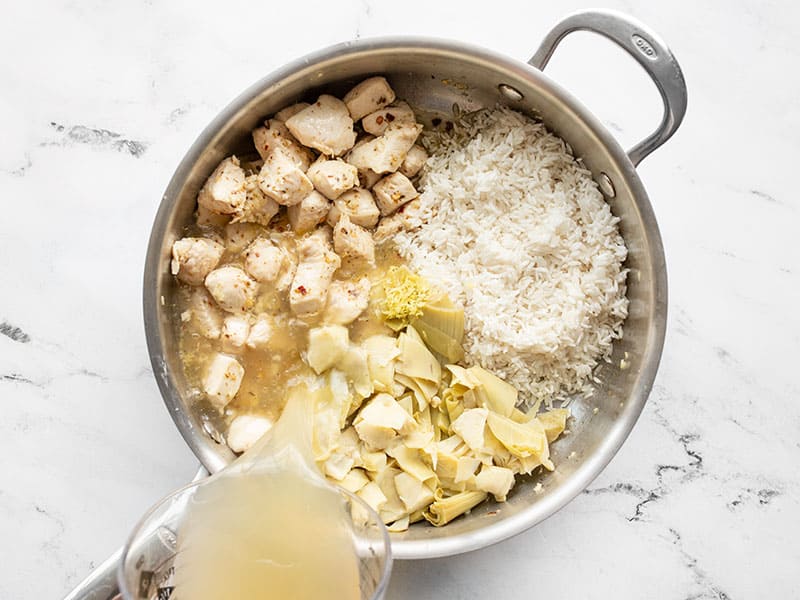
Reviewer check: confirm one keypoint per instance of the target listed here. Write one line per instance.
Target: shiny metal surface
(647, 48)
(433, 75)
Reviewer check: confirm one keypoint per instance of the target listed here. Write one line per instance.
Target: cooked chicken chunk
(290, 111)
(202, 314)
(263, 260)
(407, 217)
(309, 213)
(239, 235)
(257, 207)
(377, 122)
(283, 180)
(415, 160)
(347, 300)
(223, 191)
(325, 125)
(314, 273)
(232, 289)
(275, 135)
(368, 178)
(392, 192)
(368, 96)
(194, 258)
(332, 177)
(386, 153)
(353, 242)
(208, 218)
(235, 329)
(359, 205)
(246, 430)
(222, 380)
(260, 332)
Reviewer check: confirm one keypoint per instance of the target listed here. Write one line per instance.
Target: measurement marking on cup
(644, 46)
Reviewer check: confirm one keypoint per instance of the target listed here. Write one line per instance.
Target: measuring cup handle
(101, 584)
(650, 52)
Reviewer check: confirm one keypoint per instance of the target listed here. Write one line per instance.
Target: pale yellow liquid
(264, 529)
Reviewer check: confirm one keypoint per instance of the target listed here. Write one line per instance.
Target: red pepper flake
(390, 117)
(379, 120)
(302, 290)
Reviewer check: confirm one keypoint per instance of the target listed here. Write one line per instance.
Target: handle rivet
(606, 185)
(510, 93)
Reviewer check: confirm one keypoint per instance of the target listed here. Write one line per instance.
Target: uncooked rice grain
(518, 232)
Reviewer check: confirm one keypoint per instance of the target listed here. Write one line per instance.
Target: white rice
(518, 232)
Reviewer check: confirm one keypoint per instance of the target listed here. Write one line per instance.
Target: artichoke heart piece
(442, 329)
(441, 512)
(410, 461)
(371, 494)
(554, 422)
(415, 360)
(354, 480)
(380, 420)
(470, 427)
(498, 481)
(414, 494)
(326, 345)
(354, 364)
(523, 440)
(381, 351)
(499, 396)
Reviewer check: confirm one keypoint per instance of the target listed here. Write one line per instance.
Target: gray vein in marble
(102, 138)
(767, 197)
(709, 589)
(14, 332)
(17, 378)
(749, 495)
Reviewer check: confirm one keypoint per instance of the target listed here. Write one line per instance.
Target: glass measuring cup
(146, 568)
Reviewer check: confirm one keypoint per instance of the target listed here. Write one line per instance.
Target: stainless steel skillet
(434, 75)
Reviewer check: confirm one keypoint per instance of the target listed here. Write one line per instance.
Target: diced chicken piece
(353, 242)
(194, 258)
(325, 126)
(405, 218)
(257, 207)
(368, 178)
(203, 315)
(288, 271)
(377, 122)
(283, 180)
(368, 96)
(223, 191)
(326, 345)
(260, 332)
(498, 481)
(317, 264)
(306, 215)
(470, 426)
(347, 300)
(415, 160)
(246, 430)
(208, 218)
(386, 153)
(235, 329)
(332, 177)
(359, 205)
(392, 192)
(274, 135)
(239, 235)
(232, 289)
(290, 111)
(379, 422)
(263, 260)
(222, 380)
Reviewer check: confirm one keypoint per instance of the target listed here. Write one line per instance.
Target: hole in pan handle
(650, 52)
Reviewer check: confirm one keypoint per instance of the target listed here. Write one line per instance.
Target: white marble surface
(100, 100)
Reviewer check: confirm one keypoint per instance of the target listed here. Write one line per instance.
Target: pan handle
(647, 48)
(101, 584)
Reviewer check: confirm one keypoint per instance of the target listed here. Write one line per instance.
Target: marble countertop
(100, 101)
